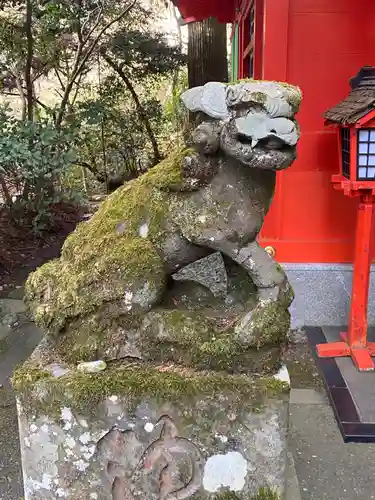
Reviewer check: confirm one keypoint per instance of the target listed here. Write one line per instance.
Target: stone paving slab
(327, 468)
(360, 384)
(20, 343)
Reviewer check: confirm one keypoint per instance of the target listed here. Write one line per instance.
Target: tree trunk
(207, 52)
(29, 59)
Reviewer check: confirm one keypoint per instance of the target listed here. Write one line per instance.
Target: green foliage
(146, 54)
(33, 156)
(267, 494)
(175, 113)
(111, 140)
(116, 127)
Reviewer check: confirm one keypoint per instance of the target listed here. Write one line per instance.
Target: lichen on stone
(293, 97)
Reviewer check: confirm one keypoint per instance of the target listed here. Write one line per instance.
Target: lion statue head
(251, 121)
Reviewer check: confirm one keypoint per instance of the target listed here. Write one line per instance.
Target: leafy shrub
(33, 157)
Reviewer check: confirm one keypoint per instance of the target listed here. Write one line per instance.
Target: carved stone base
(139, 432)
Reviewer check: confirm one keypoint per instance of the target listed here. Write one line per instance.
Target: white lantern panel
(362, 161)
(363, 136)
(362, 172)
(371, 148)
(364, 147)
(371, 173)
(372, 135)
(371, 160)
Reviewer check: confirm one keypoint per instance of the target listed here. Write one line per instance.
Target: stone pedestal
(148, 432)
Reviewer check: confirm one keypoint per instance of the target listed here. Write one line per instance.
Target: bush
(33, 158)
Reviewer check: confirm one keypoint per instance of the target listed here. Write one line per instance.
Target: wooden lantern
(354, 119)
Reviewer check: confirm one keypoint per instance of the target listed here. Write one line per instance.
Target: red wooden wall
(318, 45)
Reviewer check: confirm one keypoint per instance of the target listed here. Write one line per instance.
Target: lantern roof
(360, 101)
(197, 10)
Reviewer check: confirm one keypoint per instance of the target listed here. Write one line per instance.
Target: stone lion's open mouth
(269, 152)
(269, 143)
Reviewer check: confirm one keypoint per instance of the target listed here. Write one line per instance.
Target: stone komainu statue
(169, 267)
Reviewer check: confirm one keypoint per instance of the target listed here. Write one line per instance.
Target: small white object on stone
(143, 230)
(92, 366)
(149, 427)
(66, 413)
(57, 370)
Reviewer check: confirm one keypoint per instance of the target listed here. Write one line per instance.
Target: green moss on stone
(83, 392)
(27, 375)
(272, 323)
(192, 339)
(106, 257)
(267, 494)
(243, 80)
(263, 494)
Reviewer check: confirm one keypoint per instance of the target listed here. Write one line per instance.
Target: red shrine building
(318, 45)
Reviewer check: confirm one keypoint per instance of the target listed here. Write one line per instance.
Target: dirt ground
(21, 251)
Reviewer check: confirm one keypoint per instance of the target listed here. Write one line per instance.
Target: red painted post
(357, 331)
(355, 343)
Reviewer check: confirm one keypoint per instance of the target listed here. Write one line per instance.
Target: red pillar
(355, 343)
(357, 332)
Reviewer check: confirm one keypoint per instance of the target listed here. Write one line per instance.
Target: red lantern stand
(354, 343)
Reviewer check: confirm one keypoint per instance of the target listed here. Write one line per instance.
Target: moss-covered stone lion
(112, 295)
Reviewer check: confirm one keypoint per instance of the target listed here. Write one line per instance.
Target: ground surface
(17, 343)
(21, 250)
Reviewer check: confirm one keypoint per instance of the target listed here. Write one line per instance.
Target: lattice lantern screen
(345, 145)
(366, 155)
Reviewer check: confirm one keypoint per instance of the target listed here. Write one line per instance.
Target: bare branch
(79, 26)
(96, 24)
(60, 80)
(79, 65)
(141, 112)
(29, 61)
(77, 84)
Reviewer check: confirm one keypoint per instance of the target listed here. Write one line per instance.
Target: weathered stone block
(136, 432)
